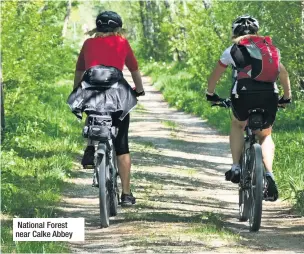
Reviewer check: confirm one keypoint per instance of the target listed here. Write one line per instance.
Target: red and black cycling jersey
(228, 58)
(111, 50)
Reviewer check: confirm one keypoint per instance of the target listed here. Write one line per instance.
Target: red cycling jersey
(112, 50)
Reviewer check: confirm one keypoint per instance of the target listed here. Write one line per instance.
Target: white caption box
(48, 229)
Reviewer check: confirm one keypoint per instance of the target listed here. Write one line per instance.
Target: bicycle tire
(104, 197)
(113, 201)
(114, 188)
(244, 204)
(257, 186)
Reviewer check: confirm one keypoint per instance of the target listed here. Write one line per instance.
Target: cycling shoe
(233, 175)
(271, 193)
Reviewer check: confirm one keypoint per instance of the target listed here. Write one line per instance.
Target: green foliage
(41, 142)
(41, 137)
(34, 50)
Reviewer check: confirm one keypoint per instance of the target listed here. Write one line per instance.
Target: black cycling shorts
(121, 142)
(266, 100)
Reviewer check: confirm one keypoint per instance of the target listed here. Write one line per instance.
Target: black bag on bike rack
(256, 119)
(98, 128)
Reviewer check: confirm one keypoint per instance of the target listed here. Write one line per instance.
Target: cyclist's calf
(262, 134)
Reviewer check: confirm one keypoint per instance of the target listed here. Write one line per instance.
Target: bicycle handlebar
(226, 103)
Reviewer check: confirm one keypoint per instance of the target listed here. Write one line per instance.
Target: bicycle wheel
(113, 198)
(114, 189)
(104, 197)
(257, 185)
(243, 190)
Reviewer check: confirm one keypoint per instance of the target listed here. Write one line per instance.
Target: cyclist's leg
(124, 169)
(124, 159)
(236, 138)
(269, 102)
(268, 147)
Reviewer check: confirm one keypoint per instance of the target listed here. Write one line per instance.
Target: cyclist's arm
(137, 81)
(215, 77)
(132, 65)
(284, 80)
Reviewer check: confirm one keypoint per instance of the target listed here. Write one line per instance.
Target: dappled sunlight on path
(183, 202)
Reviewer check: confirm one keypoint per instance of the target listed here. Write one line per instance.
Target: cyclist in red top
(110, 48)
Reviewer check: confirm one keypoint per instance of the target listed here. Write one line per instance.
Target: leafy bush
(41, 137)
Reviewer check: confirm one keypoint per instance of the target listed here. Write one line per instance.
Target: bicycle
(101, 131)
(253, 184)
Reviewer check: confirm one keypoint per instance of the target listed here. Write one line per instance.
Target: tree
(67, 17)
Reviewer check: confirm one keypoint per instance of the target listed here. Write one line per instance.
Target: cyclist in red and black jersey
(247, 94)
(109, 48)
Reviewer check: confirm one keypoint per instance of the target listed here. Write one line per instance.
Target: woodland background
(177, 43)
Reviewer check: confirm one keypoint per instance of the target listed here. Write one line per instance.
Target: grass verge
(42, 138)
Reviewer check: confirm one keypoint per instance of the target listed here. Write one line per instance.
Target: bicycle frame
(253, 182)
(101, 132)
(107, 148)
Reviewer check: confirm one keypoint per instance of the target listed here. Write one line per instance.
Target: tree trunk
(146, 14)
(302, 27)
(67, 17)
(143, 18)
(2, 106)
(177, 54)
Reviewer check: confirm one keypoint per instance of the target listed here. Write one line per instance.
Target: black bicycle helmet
(108, 21)
(245, 25)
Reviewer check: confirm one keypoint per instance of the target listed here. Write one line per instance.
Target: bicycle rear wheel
(244, 203)
(113, 200)
(104, 197)
(257, 185)
(114, 192)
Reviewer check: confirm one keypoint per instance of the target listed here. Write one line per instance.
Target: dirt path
(183, 203)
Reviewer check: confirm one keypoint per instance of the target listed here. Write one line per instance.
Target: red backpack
(264, 57)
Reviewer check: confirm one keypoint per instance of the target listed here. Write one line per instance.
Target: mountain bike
(253, 182)
(102, 133)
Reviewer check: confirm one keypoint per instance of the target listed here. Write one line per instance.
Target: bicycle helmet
(245, 25)
(108, 21)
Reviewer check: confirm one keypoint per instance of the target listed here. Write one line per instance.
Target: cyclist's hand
(142, 93)
(282, 102)
(213, 98)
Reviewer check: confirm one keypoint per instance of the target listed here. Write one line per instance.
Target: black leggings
(121, 142)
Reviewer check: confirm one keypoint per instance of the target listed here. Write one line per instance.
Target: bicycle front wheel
(256, 191)
(244, 204)
(104, 197)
